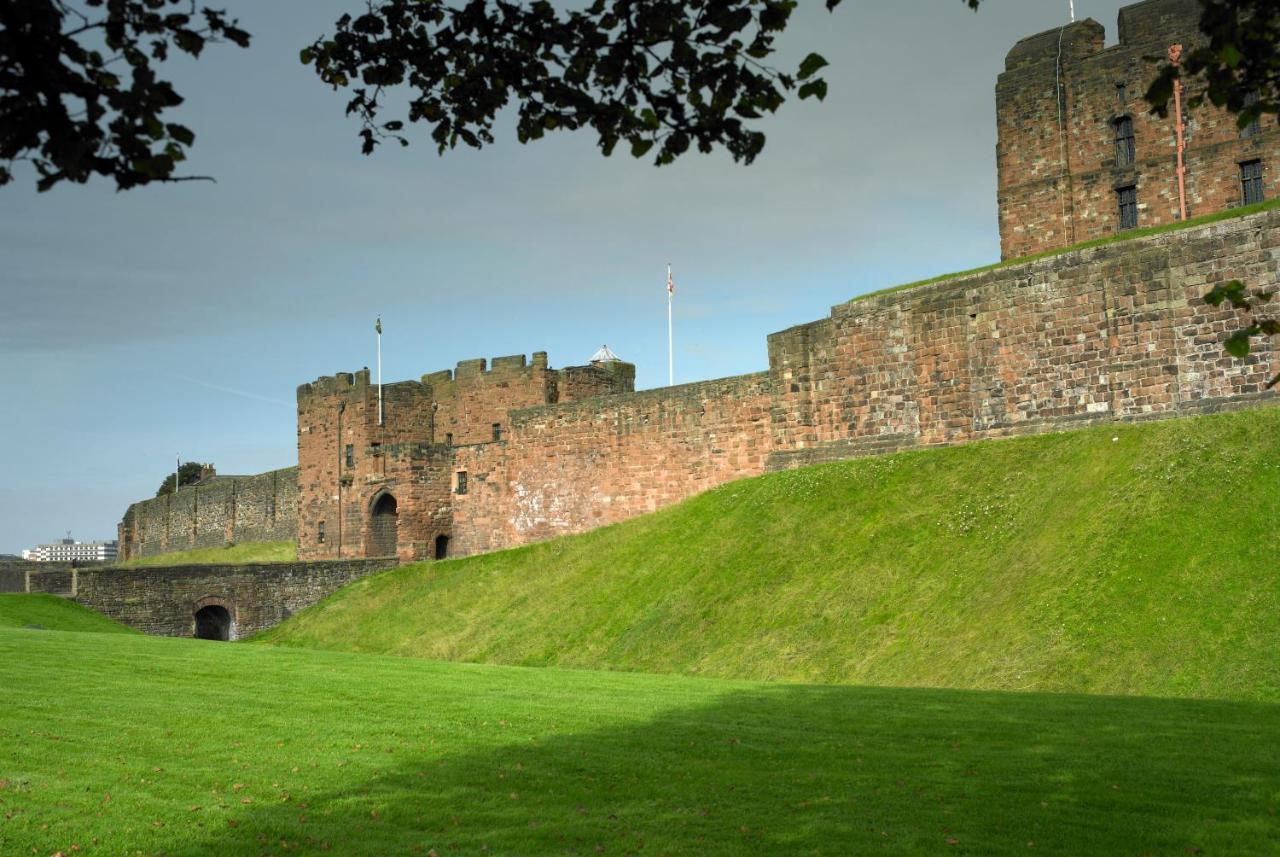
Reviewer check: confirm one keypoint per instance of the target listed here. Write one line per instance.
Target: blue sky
(180, 319)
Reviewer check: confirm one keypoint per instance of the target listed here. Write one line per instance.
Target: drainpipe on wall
(1175, 57)
(342, 406)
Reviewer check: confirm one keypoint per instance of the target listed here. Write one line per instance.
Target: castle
(1079, 155)
(493, 455)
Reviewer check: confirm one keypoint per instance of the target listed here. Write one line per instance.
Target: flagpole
(379, 370)
(671, 371)
(178, 459)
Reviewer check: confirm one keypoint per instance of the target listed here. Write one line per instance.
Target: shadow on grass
(810, 770)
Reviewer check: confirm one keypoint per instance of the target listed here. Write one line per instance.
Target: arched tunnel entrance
(382, 527)
(213, 623)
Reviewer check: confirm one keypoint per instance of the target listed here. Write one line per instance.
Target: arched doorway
(213, 622)
(382, 527)
(442, 547)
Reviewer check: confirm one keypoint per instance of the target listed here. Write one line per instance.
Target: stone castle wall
(1118, 332)
(163, 600)
(226, 510)
(571, 467)
(1055, 104)
(492, 455)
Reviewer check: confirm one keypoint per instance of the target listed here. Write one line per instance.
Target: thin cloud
(231, 391)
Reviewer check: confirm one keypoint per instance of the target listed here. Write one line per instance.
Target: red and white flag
(671, 286)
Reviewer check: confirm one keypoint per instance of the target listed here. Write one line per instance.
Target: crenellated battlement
(479, 367)
(339, 383)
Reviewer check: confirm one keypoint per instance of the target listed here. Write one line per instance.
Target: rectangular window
(448, 439)
(1125, 151)
(351, 455)
(1128, 200)
(320, 532)
(462, 482)
(497, 431)
(1122, 94)
(1252, 129)
(1251, 181)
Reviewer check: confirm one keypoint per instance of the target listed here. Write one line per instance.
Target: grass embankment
(117, 744)
(49, 612)
(241, 554)
(1176, 226)
(1135, 559)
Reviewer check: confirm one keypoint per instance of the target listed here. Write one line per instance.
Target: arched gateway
(382, 527)
(213, 621)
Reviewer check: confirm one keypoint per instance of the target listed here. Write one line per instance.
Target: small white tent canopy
(604, 355)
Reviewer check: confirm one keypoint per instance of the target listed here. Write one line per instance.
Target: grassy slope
(53, 613)
(123, 744)
(240, 554)
(1142, 565)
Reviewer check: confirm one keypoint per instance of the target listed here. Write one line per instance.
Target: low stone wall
(13, 579)
(164, 600)
(56, 575)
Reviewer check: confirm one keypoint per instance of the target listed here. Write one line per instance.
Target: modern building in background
(69, 550)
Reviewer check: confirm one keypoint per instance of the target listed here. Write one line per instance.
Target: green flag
(378, 326)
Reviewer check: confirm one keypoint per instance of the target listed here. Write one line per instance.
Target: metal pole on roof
(671, 371)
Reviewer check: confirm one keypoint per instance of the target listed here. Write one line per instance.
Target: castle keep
(1079, 154)
(493, 455)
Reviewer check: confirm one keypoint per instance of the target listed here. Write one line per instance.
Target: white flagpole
(379, 370)
(671, 370)
(1073, 10)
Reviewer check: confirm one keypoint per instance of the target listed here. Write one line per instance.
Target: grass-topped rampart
(1130, 559)
(1127, 235)
(241, 554)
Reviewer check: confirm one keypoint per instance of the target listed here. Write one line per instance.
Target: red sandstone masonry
(569, 468)
(409, 456)
(1056, 156)
(1115, 332)
(1119, 332)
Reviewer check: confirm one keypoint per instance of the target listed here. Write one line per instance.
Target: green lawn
(121, 744)
(241, 554)
(1134, 559)
(49, 612)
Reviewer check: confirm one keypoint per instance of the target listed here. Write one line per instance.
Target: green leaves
(1232, 291)
(810, 66)
(814, 88)
(106, 121)
(181, 133)
(1235, 66)
(189, 41)
(1237, 343)
(661, 76)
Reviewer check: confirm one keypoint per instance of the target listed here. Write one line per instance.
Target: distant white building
(68, 550)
